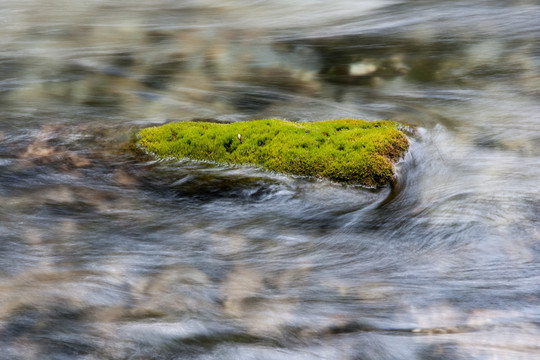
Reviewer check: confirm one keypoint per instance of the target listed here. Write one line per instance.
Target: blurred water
(105, 255)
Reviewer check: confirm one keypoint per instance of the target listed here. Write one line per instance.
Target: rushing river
(107, 255)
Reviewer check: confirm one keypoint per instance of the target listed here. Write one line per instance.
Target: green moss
(346, 150)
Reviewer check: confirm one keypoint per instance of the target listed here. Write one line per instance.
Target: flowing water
(107, 255)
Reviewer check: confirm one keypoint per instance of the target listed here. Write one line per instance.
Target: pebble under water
(106, 254)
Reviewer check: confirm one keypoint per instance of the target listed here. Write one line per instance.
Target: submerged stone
(347, 150)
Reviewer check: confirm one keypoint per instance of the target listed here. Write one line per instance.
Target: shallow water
(105, 255)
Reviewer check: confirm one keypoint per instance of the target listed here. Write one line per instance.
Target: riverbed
(107, 254)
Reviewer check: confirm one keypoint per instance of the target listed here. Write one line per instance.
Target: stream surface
(107, 255)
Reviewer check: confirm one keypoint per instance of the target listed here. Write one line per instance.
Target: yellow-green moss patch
(346, 150)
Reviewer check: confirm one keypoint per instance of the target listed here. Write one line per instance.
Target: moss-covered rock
(346, 150)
